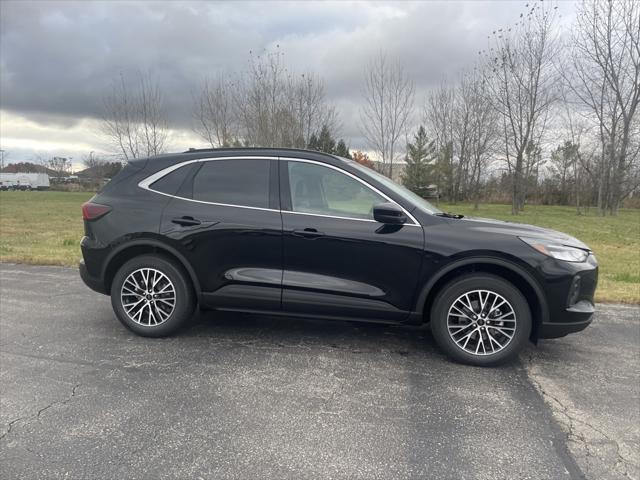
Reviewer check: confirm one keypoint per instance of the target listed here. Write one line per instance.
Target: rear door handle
(308, 233)
(186, 221)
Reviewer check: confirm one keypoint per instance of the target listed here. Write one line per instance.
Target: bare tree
(604, 79)
(577, 133)
(3, 157)
(483, 129)
(465, 127)
(91, 160)
(267, 106)
(262, 102)
(438, 111)
(522, 84)
(40, 159)
(438, 117)
(463, 109)
(310, 108)
(389, 96)
(134, 120)
(60, 165)
(95, 164)
(215, 113)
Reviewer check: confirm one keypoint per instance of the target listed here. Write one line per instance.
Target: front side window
(398, 189)
(325, 191)
(233, 182)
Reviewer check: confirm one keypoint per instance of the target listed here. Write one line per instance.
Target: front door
(338, 261)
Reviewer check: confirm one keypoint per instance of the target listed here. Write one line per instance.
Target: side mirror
(389, 214)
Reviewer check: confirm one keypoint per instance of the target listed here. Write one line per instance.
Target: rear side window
(171, 182)
(233, 182)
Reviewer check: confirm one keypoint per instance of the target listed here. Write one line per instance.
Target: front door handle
(308, 233)
(186, 221)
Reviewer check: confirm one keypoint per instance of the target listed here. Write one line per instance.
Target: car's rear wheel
(152, 296)
(480, 319)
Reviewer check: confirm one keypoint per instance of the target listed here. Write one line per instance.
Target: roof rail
(222, 149)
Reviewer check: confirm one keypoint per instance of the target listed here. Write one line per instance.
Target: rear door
(338, 261)
(225, 220)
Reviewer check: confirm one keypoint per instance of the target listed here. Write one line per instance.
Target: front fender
(485, 260)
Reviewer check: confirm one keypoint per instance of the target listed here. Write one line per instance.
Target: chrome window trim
(147, 182)
(165, 171)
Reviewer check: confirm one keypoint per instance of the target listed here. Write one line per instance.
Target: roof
(194, 154)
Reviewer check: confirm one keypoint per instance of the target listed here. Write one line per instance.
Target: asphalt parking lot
(239, 396)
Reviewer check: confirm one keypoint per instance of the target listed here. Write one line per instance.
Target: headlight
(557, 250)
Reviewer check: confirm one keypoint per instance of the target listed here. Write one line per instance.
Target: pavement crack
(574, 430)
(59, 402)
(37, 415)
(10, 426)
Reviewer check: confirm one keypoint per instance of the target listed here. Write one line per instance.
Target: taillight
(93, 211)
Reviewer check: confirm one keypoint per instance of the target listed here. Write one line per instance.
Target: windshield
(398, 189)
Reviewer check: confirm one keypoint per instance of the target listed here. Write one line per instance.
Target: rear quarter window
(172, 181)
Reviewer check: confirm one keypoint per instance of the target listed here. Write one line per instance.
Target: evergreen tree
(342, 150)
(420, 163)
(326, 143)
(313, 143)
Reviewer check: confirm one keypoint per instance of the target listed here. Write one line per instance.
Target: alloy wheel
(481, 322)
(148, 297)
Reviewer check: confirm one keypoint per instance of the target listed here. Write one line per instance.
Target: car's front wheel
(480, 319)
(152, 296)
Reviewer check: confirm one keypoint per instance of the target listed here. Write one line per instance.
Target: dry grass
(46, 227)
(41, 227)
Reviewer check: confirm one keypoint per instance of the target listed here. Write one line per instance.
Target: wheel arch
(135, 248)
(510, 271)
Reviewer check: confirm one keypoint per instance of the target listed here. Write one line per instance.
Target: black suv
(299, 233)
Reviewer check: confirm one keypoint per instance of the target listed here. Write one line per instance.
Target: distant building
(24, 181)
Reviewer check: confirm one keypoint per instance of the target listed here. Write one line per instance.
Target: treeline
(544, 114)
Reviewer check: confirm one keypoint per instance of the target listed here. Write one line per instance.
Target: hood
(488, 225)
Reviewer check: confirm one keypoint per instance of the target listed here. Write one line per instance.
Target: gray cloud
(59, 58)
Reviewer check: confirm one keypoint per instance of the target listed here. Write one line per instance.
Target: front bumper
(580, 314)
(569, 290)
(93, 283)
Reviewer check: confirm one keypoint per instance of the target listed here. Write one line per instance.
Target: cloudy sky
(58, 59)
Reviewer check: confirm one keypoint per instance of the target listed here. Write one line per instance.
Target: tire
(460, 335)
(141, 312)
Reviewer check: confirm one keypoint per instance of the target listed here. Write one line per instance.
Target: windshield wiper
(449, 215)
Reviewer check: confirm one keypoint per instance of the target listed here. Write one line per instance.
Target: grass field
(46, 227)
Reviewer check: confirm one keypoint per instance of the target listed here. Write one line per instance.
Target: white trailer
(24, 181)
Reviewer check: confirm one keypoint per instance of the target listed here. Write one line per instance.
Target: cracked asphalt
(238, 396)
